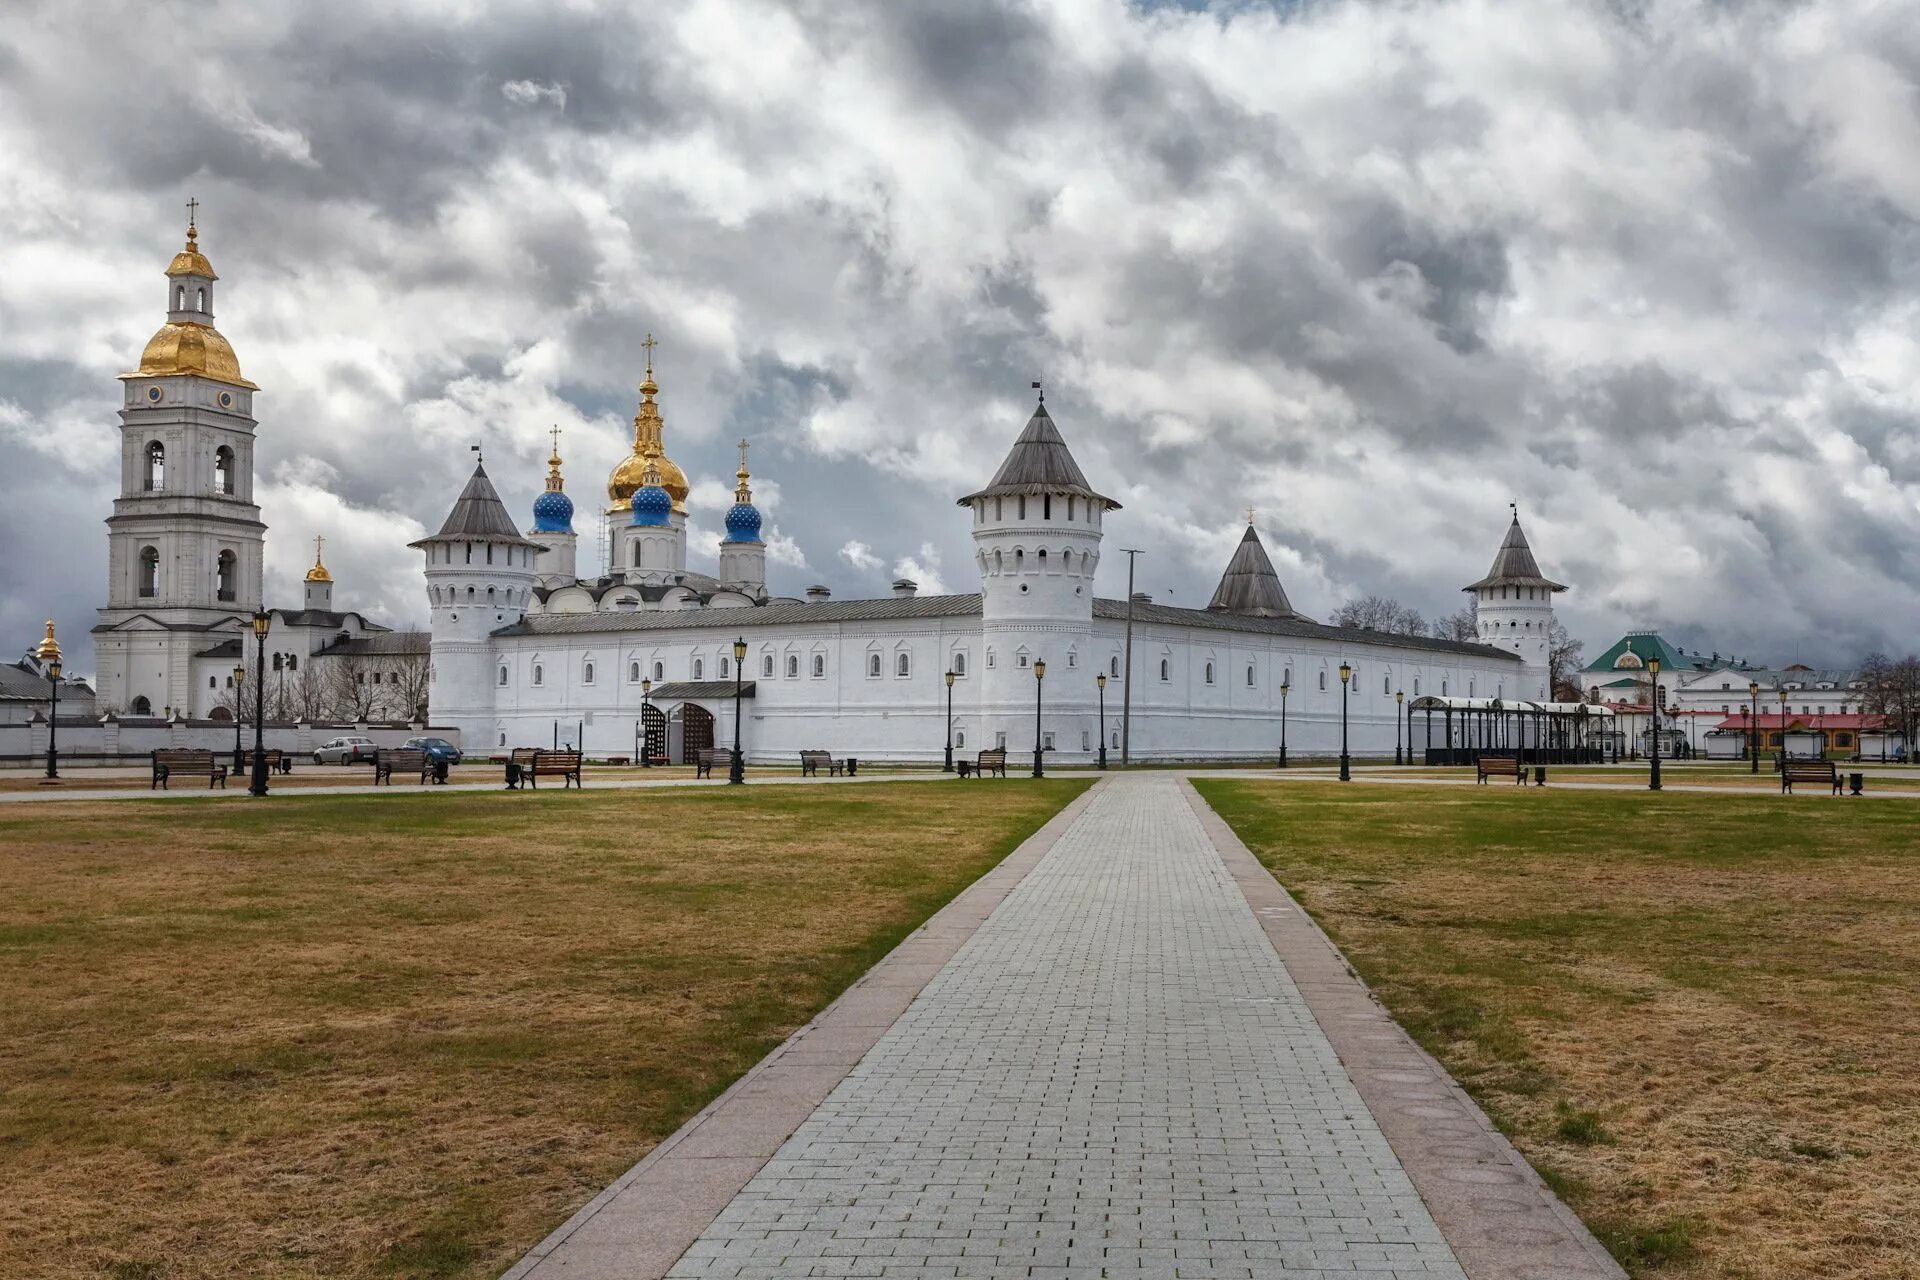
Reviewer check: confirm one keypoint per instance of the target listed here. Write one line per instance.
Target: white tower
(1036, 533)
(553, 527)
(1515, 606)
(184, 541)
(318, 596)
(480, 577)
(743, 556)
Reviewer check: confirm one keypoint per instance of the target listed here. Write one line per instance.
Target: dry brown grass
(407, 1035)
(1695, 1013)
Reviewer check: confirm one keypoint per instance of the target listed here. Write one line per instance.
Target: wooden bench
(564, 765)
(707, 757)
(990, 761)
(278, 761)
(388, 760)
(1505, 766)
(184, 763)
(1792, 771)
(811, 762)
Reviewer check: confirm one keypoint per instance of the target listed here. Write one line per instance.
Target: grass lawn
(1694, 1013)
(407, 1035)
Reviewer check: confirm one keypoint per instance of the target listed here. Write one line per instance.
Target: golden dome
(319, 571)
(186, 346)
(190, 261)
(648, 446)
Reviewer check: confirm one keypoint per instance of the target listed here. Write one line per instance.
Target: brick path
(1114, 1076)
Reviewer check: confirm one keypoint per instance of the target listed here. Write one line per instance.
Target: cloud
(1648, 271)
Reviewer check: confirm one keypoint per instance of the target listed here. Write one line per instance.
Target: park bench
(179, 762)
(1504, 766)
(707, 757)
(278, 761)
(811, 762)
(1792, 771)
(388, 760)
(564, 765)
(993, 760)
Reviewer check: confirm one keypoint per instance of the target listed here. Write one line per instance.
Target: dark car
(438, 750)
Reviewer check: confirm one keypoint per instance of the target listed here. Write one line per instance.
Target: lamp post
(1286, 687)
(1783, 727)
(239, 701)
(1100, 683)
(49, 654)
(1346, 772)
(1653, 711)
(1399, 702)
(262, 621)
(948, 766)
(1753, 732)
(737, 770)
(1039, 675)
(646, 730)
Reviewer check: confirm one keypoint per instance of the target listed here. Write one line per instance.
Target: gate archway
(696, 731)
(653, 722)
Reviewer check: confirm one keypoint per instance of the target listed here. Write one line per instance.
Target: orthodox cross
(743, 453)
(193, 206)
(319, 540)
(555, 433)
(649, 344)
(1249, 515)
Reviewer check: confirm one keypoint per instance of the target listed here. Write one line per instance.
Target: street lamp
(262, 621)
(1039, 674)
(1653, 710)
(948, 766)
(1399, 702)
(1346, 773)
(1100, 683)
(1783, 727)
(49, 655)
(239, 684)
(737, 770)
(1286, 687)
(646, 730)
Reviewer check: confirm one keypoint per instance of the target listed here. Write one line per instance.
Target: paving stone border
(640, 1225)
(1502, 1220)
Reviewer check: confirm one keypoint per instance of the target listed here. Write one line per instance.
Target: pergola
(1535, 732)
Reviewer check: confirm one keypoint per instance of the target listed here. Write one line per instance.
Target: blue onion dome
(743, 522)
(652, 505)
(553, 513)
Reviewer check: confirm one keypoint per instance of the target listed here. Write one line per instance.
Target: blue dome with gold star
(743, 522)
(553, 513)
(652, 505)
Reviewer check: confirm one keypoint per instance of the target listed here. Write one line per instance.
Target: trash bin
(513, 776)
(853, 766)
(1855, 781)
(1539, 775)
(440, 771)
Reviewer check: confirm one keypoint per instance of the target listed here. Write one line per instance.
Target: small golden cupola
(317, 594)
(648, 446)
(319, 571)
(188, 343)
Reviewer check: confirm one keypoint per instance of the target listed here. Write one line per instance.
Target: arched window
(156, 478)
(586, 673)
(141, 707)
(659, 672)
(1023, 506)
(793, 666)
(633, 673)
(766, 666)
(725, 670)
(1113, 666)
(1066, 562)
(179, 297)
(1249, 675)
(276, 662)
(873, 666)
(819, 665)
(996, 562)
(226, 570)
(1043, 560)
(1166, 671)
(1386, 683)
(149, 572)
(503, 676)
(293, 662)
(200, 299)
(960, 662)
(1209, 673)
(539, 674)
(1046, 507)
(223, 470)
(901, 665)
(959, 739)
(469, 595)
(1323, 680)
(699, 669)
(1019, 559)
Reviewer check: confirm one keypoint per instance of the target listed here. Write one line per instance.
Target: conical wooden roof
(1040, 462)
(1514, 565)
(1250, 586)
(478, 515)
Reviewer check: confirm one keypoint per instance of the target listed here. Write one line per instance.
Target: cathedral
(523, 650)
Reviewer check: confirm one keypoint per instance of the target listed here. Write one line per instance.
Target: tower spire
(741, 493)
(554, 484)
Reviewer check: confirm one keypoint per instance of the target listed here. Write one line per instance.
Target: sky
(1649, 271)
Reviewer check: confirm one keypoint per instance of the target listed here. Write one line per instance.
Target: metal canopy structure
(1533, 732)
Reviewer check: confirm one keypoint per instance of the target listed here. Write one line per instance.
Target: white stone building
(525, 654)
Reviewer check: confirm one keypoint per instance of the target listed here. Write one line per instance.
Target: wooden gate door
(697, 731)
(654, 723)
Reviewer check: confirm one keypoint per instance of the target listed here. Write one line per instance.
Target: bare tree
(408, 676)
(1378, 613)
(1463, 626)
(351, 691)
(301, 693)
(1891, 688)
(1563, 663)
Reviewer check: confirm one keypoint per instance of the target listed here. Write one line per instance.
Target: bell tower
(185, 538)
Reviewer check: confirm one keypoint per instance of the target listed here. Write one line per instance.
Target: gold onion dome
(648, 448)
(188, 346)
(190, 261)
(319, 571)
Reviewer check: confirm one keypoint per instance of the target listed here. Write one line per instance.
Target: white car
(347, 750)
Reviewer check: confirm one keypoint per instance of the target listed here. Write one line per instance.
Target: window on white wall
(586, 673)
(766, 666)
(1113, 666)
(1323, 680)
(659, 671)
(1166, 671)
(793, 666)
(873, 666)
(1209, 673)
(633, 673)
(902, 665)
(503, 677)
(1249, 675)
(699, 669)
(959, 667)
(539, 674)
(724, 671)
(819, 665)
(1386, 683)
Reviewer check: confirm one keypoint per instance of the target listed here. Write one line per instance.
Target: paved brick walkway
(1114, 1077)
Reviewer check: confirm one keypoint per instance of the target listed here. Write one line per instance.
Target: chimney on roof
(904, 588)
(1143, 597)
(817, 592)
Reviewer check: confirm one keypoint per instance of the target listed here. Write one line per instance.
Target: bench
(990, 761)
(707, 757)
(278, 761)
(1792, 771)
(811, 762)
(185, 763)
(404, 759)
(1504, 766)
(564, 765)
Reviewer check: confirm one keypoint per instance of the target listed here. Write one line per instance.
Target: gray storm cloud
(1376, 270)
